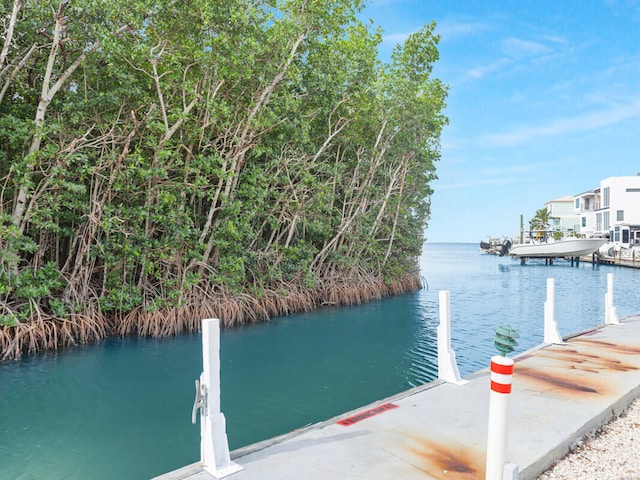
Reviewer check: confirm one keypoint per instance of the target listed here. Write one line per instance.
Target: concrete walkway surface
(560, 393)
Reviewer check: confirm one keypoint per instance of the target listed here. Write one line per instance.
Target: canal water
(122, 408)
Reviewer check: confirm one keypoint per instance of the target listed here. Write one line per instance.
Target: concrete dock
(560, 393)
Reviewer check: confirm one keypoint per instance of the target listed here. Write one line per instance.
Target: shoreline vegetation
(163, 161)
(50, 333)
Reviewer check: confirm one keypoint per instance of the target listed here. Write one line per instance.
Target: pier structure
(559, 392)
(548, 260)
(632, 261)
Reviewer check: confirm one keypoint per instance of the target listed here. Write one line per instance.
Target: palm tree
(540, 221)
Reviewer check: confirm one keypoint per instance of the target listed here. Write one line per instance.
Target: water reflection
(68, 414)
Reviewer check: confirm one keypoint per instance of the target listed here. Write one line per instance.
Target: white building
(611, 210)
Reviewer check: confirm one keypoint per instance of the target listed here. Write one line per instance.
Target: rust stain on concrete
(448, 461)
(583, 369)
(560, 382)
(591, 361)
(579, 368)
(616, 347)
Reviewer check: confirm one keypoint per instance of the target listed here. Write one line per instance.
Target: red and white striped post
(501, 376)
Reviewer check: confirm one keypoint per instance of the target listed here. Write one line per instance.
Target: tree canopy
(163, 160)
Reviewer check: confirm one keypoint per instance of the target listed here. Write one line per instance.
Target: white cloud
(449, 30)
(521, 48)
(512, 50)
(577, 124)
(555, 39)
(481, 71)
(484, 182)
(396, 37)
(504, 174)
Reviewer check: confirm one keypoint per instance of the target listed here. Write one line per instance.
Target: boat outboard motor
(505, 248)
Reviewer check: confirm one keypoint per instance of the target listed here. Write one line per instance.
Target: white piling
(447, 365)
(501, 378)
(214, 446)
(510, 472)
(551, 334)
(610, 315)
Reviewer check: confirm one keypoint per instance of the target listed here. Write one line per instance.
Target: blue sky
(544, 101)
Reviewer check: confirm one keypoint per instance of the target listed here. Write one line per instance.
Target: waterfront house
(562, 215)
(611, 210)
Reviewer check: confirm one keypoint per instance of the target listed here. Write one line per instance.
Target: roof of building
(566, 198)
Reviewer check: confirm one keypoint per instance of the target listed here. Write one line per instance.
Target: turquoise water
(122, 408)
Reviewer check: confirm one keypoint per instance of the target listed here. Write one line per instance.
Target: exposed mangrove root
(46, 333)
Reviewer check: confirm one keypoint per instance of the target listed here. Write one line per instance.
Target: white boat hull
(567, 247)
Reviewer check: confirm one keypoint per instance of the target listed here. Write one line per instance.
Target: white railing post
(511, 471)
(214, 446)
(447, 365)
(501, 378)
(610, 315)
(551, 334)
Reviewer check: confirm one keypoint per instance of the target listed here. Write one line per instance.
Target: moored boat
(496, 246)
(564, 248)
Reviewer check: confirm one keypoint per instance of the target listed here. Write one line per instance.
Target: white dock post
(501, 379)
(610, 315)
(551, 334)
(214, 446)
(510, 472)
(447, 365)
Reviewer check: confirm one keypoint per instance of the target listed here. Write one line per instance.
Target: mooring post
(447, 365)
(214, 446)
(551, 334)
(501, 378)
(610, 315)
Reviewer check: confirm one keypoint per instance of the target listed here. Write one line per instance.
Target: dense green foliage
(156, 155)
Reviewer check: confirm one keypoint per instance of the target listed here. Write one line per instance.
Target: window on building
(584, 221)
(616, 234)
(625, 236)
(605, 220)
(605, 194)
(599, 222)
(620, 215)
(577, 202)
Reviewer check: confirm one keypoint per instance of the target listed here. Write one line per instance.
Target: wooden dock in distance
(606, 260)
